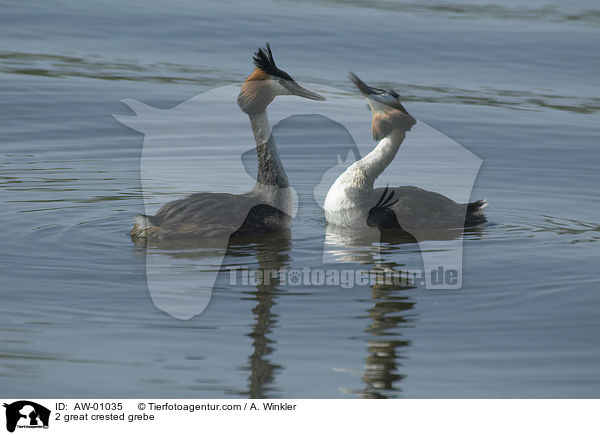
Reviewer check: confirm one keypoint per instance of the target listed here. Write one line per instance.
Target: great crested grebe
(267, 207)
(353, 202)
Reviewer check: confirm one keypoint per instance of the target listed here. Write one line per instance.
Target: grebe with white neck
(352, 200)
(268, 206)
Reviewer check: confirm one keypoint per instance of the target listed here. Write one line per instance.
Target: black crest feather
(381, 215)
(386, 202)
(263, 59)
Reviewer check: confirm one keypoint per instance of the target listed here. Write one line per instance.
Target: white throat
(351, 196)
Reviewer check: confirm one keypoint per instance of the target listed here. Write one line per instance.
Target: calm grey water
(515, 84)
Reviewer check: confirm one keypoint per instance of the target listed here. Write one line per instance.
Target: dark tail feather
(477, 206)
(475, 214)
(141, 225)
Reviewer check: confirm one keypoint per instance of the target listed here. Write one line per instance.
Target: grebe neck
(270, 168)
(374, 163)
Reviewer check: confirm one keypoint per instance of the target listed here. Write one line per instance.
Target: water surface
(514, 84)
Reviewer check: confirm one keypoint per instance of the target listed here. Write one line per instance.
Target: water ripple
(545, 13)
(60, 66)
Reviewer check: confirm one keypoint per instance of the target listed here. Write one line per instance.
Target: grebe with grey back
(265, 208)
(352, 200)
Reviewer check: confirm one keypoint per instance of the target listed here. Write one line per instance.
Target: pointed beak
(362, 86)
(295, 89)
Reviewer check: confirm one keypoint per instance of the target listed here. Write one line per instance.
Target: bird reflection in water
(390, 311)
(272, 254)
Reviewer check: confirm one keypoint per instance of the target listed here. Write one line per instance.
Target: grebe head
(268, 81)
(383, 210)
(389, 114)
